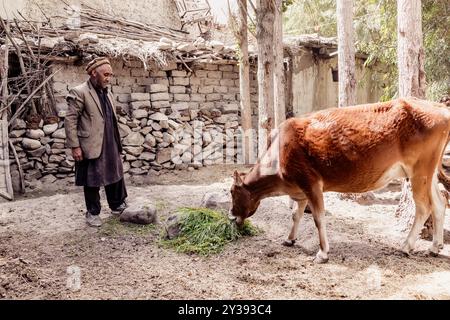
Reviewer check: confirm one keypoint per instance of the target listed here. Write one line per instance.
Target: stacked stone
(42, 152)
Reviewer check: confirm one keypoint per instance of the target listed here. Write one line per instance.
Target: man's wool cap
(97, 62)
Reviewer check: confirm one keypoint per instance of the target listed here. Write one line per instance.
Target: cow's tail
(442, 176)
(444, 179)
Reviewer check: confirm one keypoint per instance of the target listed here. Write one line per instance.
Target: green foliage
(204, 231)
(311, 16)
(436, 32)
(376, 32)
(285, 5)
(375, 23)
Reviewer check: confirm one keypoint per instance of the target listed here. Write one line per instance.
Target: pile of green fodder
(204, 231)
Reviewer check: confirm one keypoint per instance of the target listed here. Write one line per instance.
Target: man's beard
(96, 82)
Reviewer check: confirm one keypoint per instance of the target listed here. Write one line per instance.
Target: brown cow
(352, 149)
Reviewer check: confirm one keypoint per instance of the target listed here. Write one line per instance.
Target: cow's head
(243, 204)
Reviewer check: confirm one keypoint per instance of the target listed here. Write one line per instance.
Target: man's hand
(77, 154)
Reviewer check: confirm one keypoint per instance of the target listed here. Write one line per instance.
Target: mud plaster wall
(314, 89)
(161, 12)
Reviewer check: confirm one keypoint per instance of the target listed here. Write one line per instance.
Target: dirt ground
(48, 252)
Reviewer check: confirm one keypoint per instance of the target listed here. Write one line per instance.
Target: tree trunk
(410, 49)
(264, 37)
(244, 80)
(279, 76)
(346, 70)
(411, 82)
(346, 53)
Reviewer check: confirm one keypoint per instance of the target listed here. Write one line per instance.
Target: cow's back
(351, 148)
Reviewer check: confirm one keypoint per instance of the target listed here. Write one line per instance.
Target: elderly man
(93, 135)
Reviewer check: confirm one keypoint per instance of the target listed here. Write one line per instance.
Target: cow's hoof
(288, 243)
(405, 253)
(406, 250)
(320, 260)
(433, 254)
(433, 251)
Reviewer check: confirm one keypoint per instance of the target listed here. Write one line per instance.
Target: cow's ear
(237, 179)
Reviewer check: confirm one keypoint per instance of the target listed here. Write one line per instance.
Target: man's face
(102, 75)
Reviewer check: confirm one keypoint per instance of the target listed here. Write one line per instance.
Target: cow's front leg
(296, 218)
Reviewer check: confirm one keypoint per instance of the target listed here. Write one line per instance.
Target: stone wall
(168, 119)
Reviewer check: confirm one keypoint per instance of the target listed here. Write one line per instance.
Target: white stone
(140, 104)
(179, 106)
(60, 134)
(200, 43)
(124, 130)
(230, 108)
(31, 144)
(186, 47)
(216, 45)
(165, 40)
(155, 88)
(164, 124)
(168, 138)
(133, 139)
(139, 114)
(206, 138)
(16, 133)
(163, 46)
(50, 128)
(18, 124)
(156, 126)
(173, 124)
(158, 116)
(216, 200)
(35, 133)
(150, 139)
(161, 96)
(135, 151)
(147, 156)
(164, 155)
(180, 148)
(146, 130)
(137, 96)
(222, 119)
(187, 157)
(129, 157)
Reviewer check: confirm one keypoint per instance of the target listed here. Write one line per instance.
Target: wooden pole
(4, 159)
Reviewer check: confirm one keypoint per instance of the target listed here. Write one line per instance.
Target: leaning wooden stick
(22, 106)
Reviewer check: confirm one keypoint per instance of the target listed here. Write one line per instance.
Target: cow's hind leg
(297, 215)
(421, 188)
(318, 212)
(438, 213)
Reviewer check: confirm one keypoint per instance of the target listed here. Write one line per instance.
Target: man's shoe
(93, 220)
(118, 211)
